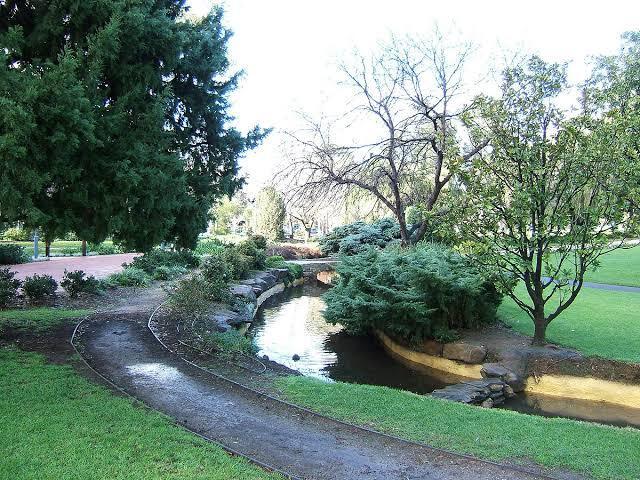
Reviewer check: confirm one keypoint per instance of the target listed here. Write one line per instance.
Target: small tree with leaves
(546, 198)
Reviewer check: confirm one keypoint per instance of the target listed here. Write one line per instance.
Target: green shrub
(275, 261)
(11, 254)
(359, 236)
(251, 250)
(209, 247)
(76, 282)
(194, 295)
(216, 269)
(259, 241)
(413, 293)
(230, 343)
(239, 265)
(168, 273)
(17, 235)
(159, 257)
(295, 271)
(9, 286)
(129, 277)
(38, 287)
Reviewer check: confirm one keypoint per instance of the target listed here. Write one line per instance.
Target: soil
(514, 349)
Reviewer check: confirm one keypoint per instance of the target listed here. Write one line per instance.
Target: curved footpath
(124, 350)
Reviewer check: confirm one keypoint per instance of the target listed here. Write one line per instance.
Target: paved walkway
(99, 266)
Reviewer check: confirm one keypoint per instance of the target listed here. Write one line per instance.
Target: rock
(266, 279)
(493, 370)
(473, 391)
(508, 392)
(431, 347)
(465, 352)
(295, 357)
(245, 292)
(497, 370)
(496, 387)
(488, 403)
(280, 273)
(265, 358)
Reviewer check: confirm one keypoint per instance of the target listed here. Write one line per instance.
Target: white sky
(289, 48)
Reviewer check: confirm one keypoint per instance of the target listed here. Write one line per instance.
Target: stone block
(464, 352)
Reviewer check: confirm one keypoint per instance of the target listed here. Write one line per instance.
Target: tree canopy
(270, 213)
(114, 119)
(551, 195)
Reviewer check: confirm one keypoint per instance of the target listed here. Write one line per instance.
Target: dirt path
(307, 446)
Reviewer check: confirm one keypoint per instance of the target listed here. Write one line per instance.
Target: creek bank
(549, 370)
(250, 293)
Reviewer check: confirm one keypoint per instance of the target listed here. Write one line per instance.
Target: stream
(292, 324)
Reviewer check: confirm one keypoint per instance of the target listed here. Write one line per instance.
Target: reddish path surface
(99, 266)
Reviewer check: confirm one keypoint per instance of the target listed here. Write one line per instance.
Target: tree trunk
(84, 248)
(540, 330)
(47, 248)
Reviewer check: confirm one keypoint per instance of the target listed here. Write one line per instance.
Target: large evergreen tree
(114, 119)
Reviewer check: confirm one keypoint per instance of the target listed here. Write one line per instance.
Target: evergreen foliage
(413, 293)
(357, 237)
(270, 213)
(114, 119)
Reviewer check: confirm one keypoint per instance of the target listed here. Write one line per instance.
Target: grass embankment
(599, 322)
(601, 451)
(54, 424)
(620, 267)
(39, 319)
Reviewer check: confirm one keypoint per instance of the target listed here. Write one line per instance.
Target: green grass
(56, 425)
(604, 452)
(39, 319)
(620, 267)
(599, 322)
(58, 248)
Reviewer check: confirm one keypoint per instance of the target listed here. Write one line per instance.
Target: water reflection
(292, 324)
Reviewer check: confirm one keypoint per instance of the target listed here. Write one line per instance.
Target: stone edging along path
(123, 349)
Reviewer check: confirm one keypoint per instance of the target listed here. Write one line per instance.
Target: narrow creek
(292, 324)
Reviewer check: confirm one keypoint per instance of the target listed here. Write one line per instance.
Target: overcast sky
(288, 49)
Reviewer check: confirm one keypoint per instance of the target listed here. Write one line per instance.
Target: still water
(292, 324)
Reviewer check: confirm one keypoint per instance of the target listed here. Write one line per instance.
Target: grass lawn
(599, 322)
(39, 319)
(58, 248)
(604, 452)
(620, 267)
(56, 425)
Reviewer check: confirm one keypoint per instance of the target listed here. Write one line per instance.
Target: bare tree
(409, 106)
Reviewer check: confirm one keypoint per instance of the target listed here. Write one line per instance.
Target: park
(428, 268)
